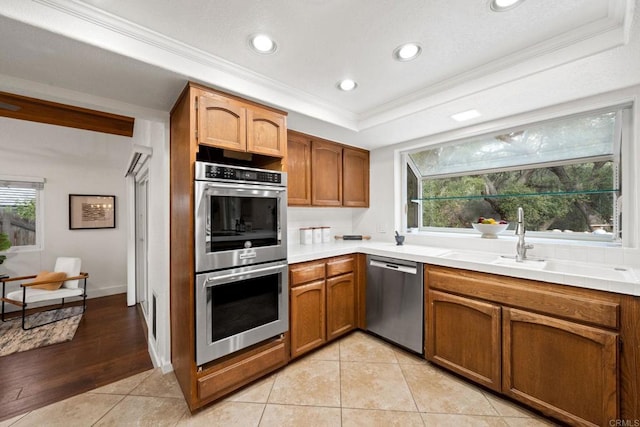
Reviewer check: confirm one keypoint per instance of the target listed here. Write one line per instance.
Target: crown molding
(99, 28)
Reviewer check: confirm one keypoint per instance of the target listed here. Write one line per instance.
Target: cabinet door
(299, 170)
(266, 132)
(463, 335)
(564, 369)
(308, 312)
(355, 182)
(341, 305)
(222, 123)
(326, 174)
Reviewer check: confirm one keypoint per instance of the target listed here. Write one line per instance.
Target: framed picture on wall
(88, 211)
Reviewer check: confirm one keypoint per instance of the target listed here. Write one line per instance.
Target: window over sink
(565, 173)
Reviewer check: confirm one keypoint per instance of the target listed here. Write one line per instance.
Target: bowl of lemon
(489, 227)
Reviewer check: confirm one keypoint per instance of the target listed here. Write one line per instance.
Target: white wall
(72, 161)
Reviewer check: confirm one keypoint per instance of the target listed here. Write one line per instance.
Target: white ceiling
(142, 52)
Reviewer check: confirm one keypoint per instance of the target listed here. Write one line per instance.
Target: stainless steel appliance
(395, 301)
(241, 288)
(240, 216)
(239, 307)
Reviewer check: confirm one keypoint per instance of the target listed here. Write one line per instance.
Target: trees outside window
(564, 173)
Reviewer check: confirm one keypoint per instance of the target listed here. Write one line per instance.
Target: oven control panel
(218, 172)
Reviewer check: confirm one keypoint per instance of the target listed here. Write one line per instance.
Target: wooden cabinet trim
(568, 303)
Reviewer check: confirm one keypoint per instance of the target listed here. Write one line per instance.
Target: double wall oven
(240, 257)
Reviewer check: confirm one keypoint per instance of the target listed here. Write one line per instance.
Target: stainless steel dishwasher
(395, 300)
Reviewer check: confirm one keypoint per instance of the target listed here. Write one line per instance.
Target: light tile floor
(357, 381)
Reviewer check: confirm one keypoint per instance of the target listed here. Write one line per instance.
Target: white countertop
(613, 278)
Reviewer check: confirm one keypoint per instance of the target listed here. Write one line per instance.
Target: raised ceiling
(142, 52)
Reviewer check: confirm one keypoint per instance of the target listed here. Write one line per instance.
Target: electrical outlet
(382, 228)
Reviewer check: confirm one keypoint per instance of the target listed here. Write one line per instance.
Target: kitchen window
(565, 173)
(21, 211)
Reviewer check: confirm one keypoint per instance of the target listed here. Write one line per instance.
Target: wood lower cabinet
(341, 308)
(323, 302)
(325, 173)
(561, 367)
(308, 314)
(476, 325)
(552, 347)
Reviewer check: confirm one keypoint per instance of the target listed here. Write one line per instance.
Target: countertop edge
(432, 255)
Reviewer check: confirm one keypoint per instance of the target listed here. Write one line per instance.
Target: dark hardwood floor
(110, 344)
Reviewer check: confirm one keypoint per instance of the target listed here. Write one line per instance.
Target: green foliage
(5, 244)
(457, 202)
(26, 210)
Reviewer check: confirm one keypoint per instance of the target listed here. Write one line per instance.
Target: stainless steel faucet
(521, 247)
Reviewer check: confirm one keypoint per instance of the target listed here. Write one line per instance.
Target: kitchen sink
(480, 257)
(604, 272)
(532, 264)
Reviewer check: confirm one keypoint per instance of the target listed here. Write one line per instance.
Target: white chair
(28, 294)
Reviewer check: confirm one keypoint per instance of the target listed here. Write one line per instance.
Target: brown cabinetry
(554, 348)
(325, 173)
(237, 125)
(323, 302)
(475, 351)
(203, 118)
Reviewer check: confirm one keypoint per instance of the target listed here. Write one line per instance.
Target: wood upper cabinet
(232, 124)
(222, 123)
(464, 335)
(298, 170)
(326, 174)
(266, 132)
(563, 368)
(355, 181)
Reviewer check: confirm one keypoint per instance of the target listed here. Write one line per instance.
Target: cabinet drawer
(556, 300)
(340, 265)
(230, 377)
(306, 272)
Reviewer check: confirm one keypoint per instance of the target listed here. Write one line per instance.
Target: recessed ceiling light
(262, 43)
(407, 51)
(466, 115)
(347, 85)
(502, 5)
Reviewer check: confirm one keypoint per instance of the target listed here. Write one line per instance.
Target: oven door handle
(242, 187)
(232, 277)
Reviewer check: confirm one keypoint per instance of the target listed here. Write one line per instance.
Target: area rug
(13, 339)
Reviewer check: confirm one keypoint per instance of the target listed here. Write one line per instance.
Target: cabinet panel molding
(539, 350)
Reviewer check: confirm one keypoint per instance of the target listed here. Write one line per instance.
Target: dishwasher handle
(394, 267)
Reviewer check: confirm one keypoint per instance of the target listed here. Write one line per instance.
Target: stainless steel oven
(241, 287)
(240, 216)
(239, 307)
